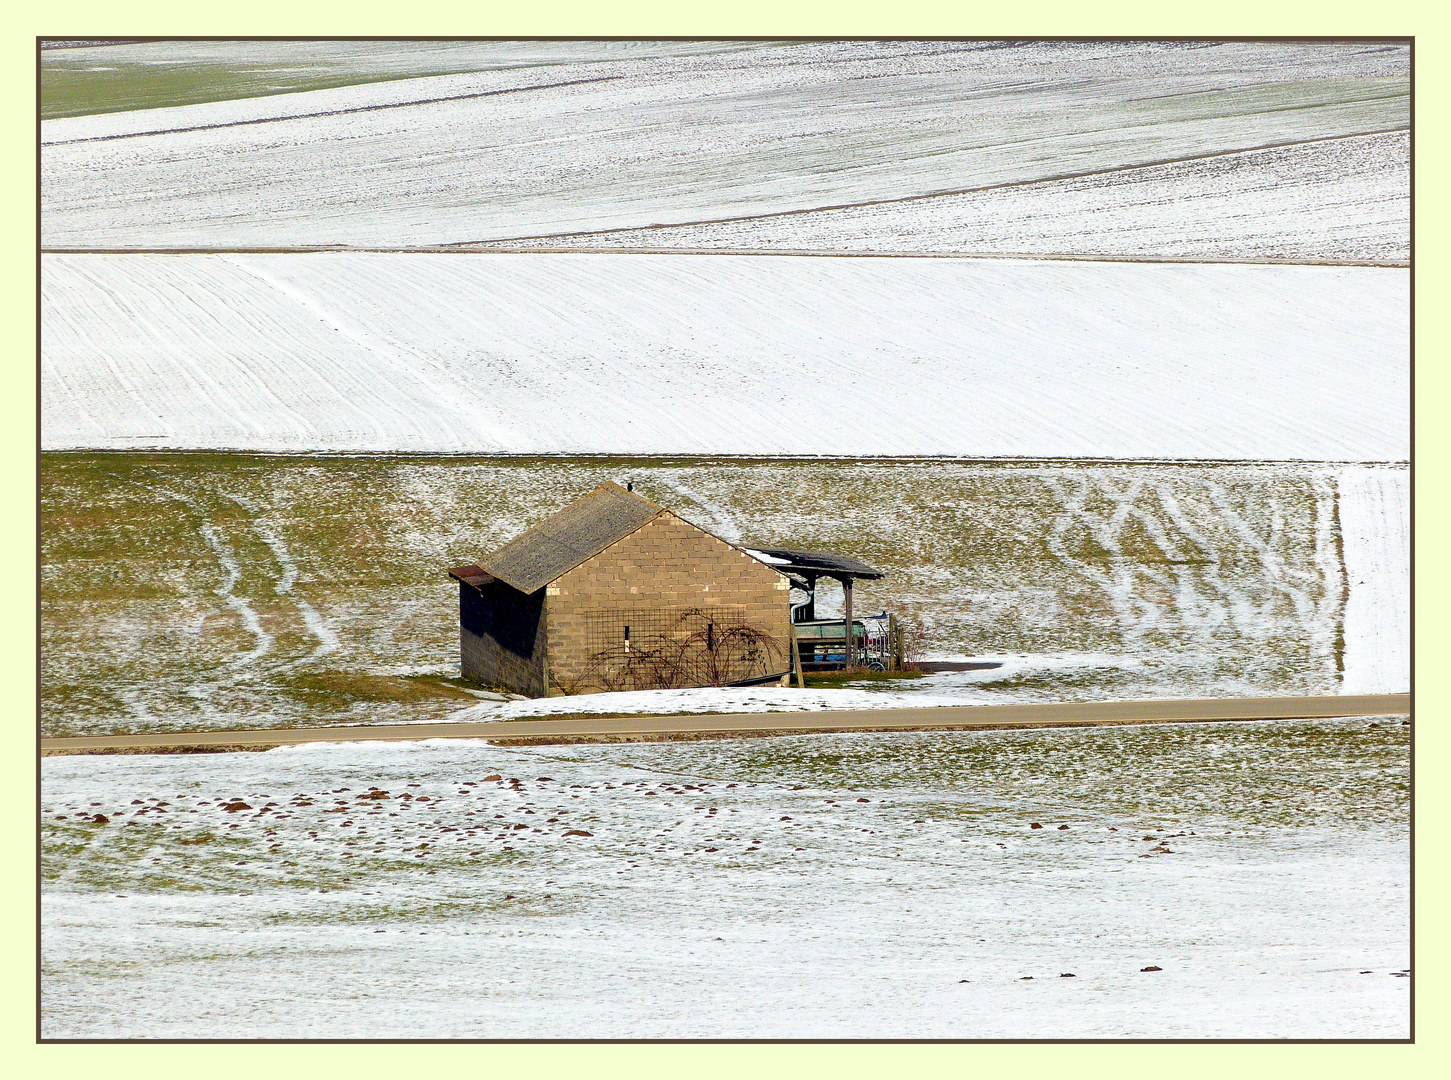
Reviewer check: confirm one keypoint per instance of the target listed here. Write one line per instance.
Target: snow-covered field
(821, 886)
(1191, 881)
(700, 700)
(724, 354)
(142, 75)
(622, 140)
(1222, 151)
(942, 689)
(1341, 199)
(1375, 519)
(1245, 880)
(205, 591)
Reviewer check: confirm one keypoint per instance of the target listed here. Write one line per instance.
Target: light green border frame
(653, 18)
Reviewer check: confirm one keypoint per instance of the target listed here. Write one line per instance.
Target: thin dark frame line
(1411, 525)
(39, 558)
(664, 460)
(731, 1042)
(1408, 41)
(1004, 40)
(763, 253)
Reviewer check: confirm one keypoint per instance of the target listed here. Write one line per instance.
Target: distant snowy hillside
(1339, 199)
(629, 139)
(723, 354)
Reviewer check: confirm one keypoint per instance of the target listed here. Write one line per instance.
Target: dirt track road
(641, 728)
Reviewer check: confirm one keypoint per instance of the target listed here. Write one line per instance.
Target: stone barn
(617, 593)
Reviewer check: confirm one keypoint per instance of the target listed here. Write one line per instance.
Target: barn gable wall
(665, 566)
(502, 637)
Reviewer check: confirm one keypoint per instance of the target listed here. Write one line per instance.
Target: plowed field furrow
(650, 354)
(667, 140)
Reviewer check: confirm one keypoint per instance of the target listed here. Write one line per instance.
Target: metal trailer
(822, 643)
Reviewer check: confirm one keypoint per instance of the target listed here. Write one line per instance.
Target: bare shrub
(694, 651)
(914, 638)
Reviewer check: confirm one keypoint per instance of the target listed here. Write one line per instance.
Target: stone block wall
(666, 566)
(502, 637)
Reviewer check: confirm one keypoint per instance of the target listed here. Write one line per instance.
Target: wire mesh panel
(660, 648)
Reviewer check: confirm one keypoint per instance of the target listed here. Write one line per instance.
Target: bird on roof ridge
(610, 487)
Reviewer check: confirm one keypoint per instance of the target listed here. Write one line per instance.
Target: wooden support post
(850, 637)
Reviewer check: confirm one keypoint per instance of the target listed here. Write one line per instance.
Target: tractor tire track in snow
(723, 522)
(1194, 563)
(1316, 599)
(317, 626)
(1237, 607)
(227, 557)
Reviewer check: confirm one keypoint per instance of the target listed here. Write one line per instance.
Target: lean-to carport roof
(580, 531)
(815, 564)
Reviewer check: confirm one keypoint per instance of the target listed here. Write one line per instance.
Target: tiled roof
(558, 544)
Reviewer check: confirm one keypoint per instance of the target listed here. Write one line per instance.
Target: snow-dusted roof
(815, 563)
(559, 543)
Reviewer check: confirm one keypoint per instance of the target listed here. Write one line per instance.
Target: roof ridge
(569, 537)
(612, 487)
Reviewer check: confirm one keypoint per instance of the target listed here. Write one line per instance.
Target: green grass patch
(154, 75)
(858, 680)
(140, 633)
(371, 688)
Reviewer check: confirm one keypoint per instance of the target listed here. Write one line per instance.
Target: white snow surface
(254, 68)
(769, 560)
(708, 354)
(948, 688)
(810, 887)
(1341, 199)
(622, 140)
(709, 699)
(1375, 510)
